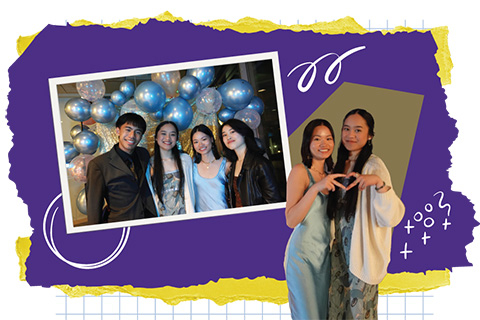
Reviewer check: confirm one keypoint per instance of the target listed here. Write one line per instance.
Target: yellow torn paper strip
(251, 25)
(228, 290)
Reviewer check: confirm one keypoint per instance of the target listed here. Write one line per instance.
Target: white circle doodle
(428, 207)
(418, 216)
(51, 244)
(428, 224)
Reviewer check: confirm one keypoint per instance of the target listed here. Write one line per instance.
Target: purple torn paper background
(186, 253)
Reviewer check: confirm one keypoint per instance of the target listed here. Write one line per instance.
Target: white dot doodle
(428, 207)
(48, 236)
(430, 222)
(418, 216)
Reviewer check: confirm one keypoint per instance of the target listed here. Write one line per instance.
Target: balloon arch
(187, 101)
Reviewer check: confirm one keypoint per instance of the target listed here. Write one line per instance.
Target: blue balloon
(127, 88)
(236, 94)
(189, 87)
(70, 151)
(157, 116)
(150, 96)
(205, 75)
(118, 98)
(180, 112)
(86, 142)
(78, 109)
(226, 114)
(257, 105)
(103, 111)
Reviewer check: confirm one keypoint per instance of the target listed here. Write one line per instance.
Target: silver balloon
(77, 109)
(250, 117)
(82, 202)
(236, 94)
(205, 75)
(189, 87)
(209, 101)
(180, 112)
(127, 88)
(150, 96)
(226, 114)
(103, 111)
(131, 107)
(118, 98)
(169, 82)
(256, 104)
(86, 142)
(77, 129)
(70, 151)
(78, 167)
(91, 90)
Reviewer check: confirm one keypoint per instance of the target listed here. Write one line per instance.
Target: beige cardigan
(376, 215)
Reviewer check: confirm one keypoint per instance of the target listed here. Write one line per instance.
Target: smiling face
(355, 133)
(321, 143)
(202, 143)
(128, 137)
(167, 137)
(232, 139)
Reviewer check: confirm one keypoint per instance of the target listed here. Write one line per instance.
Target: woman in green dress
(307, 257)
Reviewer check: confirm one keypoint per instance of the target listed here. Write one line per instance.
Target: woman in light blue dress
(209, 171)
(307, 257)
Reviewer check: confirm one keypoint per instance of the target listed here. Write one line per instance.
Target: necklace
(316, 170)
(207, 164)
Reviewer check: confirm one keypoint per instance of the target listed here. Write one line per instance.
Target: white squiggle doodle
(51, 244)
(312, 68)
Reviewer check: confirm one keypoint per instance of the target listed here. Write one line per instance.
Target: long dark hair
(349, 203)
(158, 170)
(206, 130)
(307, 138)
(246, 132)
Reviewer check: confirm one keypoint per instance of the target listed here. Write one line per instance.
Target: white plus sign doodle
(409, 226)
(425, 238)
(446, 224)
(405, 251)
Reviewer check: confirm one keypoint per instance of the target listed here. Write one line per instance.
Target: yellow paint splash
(262, 289)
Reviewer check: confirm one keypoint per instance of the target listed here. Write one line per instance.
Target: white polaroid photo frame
(60, 138)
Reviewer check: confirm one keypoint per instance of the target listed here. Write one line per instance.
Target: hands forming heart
(364, 180)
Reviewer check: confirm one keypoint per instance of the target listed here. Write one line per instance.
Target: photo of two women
(343, 214)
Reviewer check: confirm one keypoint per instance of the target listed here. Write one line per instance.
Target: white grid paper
(120, 306)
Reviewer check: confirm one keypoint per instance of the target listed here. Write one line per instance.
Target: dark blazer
(109, 179)
(256, 182)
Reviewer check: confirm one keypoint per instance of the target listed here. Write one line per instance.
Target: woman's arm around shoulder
(388, 208)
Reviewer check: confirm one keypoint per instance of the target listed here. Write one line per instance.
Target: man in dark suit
(118, 177)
